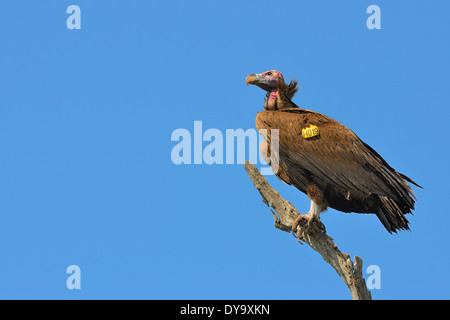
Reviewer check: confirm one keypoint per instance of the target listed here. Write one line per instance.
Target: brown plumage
(332, 166)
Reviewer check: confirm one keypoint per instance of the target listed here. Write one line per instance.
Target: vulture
(327, 161)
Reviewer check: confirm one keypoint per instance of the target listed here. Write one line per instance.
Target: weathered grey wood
(285, 215)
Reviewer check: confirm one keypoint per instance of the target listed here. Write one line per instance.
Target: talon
(297, 230)
(321, 226)
(298, 234)
(309, 218)
(295, 224)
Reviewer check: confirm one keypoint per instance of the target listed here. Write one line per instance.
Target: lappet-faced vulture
(327, 161)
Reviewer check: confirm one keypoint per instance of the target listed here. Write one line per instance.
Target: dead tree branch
(350, 272)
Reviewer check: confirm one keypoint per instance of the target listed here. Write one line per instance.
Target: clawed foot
(309, 218)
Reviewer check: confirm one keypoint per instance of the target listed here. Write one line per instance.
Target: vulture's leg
(318, 205)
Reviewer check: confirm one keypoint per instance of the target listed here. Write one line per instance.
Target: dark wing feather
(337, 157)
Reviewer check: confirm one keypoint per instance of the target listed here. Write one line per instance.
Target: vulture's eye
(269, 73)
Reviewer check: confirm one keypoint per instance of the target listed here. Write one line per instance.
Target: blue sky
(86, 121)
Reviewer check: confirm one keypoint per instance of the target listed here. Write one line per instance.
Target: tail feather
(391, 215)
(410, 180)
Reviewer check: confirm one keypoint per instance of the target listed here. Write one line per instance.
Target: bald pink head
(273, 74)
(267, 81)
(279, 94)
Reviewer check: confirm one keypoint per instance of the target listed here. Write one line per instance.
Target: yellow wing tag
(309, 132)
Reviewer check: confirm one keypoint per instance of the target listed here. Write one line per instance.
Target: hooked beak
(252, 79)
(265, 83)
